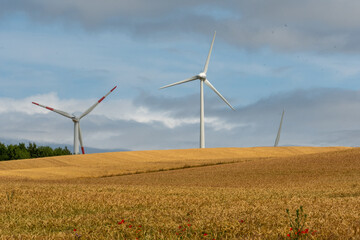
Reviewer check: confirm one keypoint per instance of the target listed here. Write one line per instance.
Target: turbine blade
(183, 81)
(216, 91)
(65, 114)
(279, 131)
(95, 104)
(81, 141)
(208, 57)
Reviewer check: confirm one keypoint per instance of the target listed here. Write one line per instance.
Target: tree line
(20, 151)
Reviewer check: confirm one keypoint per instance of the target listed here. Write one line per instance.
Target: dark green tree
(45, 151)
(20, 151)
(17, 151)
(3, 152)
(33, 150)
(59, 151)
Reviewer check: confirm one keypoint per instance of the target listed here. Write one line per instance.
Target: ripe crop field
(242, 198)
(120, 163)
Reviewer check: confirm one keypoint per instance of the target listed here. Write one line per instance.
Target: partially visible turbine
(76, 120)
(279, 131)
(203, 79)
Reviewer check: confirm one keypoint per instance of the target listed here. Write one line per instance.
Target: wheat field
(243, 196)
(120, 163)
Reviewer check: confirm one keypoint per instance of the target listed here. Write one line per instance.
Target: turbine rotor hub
(75, 119)
(202, 76)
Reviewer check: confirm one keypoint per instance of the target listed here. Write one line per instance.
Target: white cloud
(118, 109)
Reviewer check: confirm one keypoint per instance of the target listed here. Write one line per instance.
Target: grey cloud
(312, 117)
(181, 107)
(322, 26)
(177, 106)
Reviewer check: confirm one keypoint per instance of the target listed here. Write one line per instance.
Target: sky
(301, 56)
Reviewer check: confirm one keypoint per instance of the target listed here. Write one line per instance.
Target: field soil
(191, 194)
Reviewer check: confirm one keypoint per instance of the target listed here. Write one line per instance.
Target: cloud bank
(317, 117)
(324, 26)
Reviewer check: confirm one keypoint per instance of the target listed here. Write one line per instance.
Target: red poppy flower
(189, 225)
(290, 229)
(288, 235)
(130, 226)
(74, 230)
(205, 234)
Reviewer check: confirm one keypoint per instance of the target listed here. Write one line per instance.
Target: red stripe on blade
(35, 103)
(101, 99)
(113, 89)
(51, 109)
(82, 149)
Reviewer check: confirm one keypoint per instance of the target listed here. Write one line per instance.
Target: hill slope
(118, 163)
(327, 170)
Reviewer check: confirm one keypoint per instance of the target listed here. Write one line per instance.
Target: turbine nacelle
(75, 119)
(201, 76)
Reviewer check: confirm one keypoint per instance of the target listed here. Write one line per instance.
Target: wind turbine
(278, 134)
(76, 120)
(203, 79)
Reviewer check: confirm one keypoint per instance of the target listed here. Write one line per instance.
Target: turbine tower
(203, 79)
(278, 134)
(76, 120)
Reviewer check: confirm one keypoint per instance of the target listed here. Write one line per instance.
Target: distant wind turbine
(202, 77)
(76, 120)
(279, 131)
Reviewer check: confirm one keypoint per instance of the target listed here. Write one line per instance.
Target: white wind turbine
(203, 79)
(76, 120)
(279, 131)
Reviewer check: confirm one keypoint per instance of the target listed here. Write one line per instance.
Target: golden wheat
(242, 200)
(107, 164)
